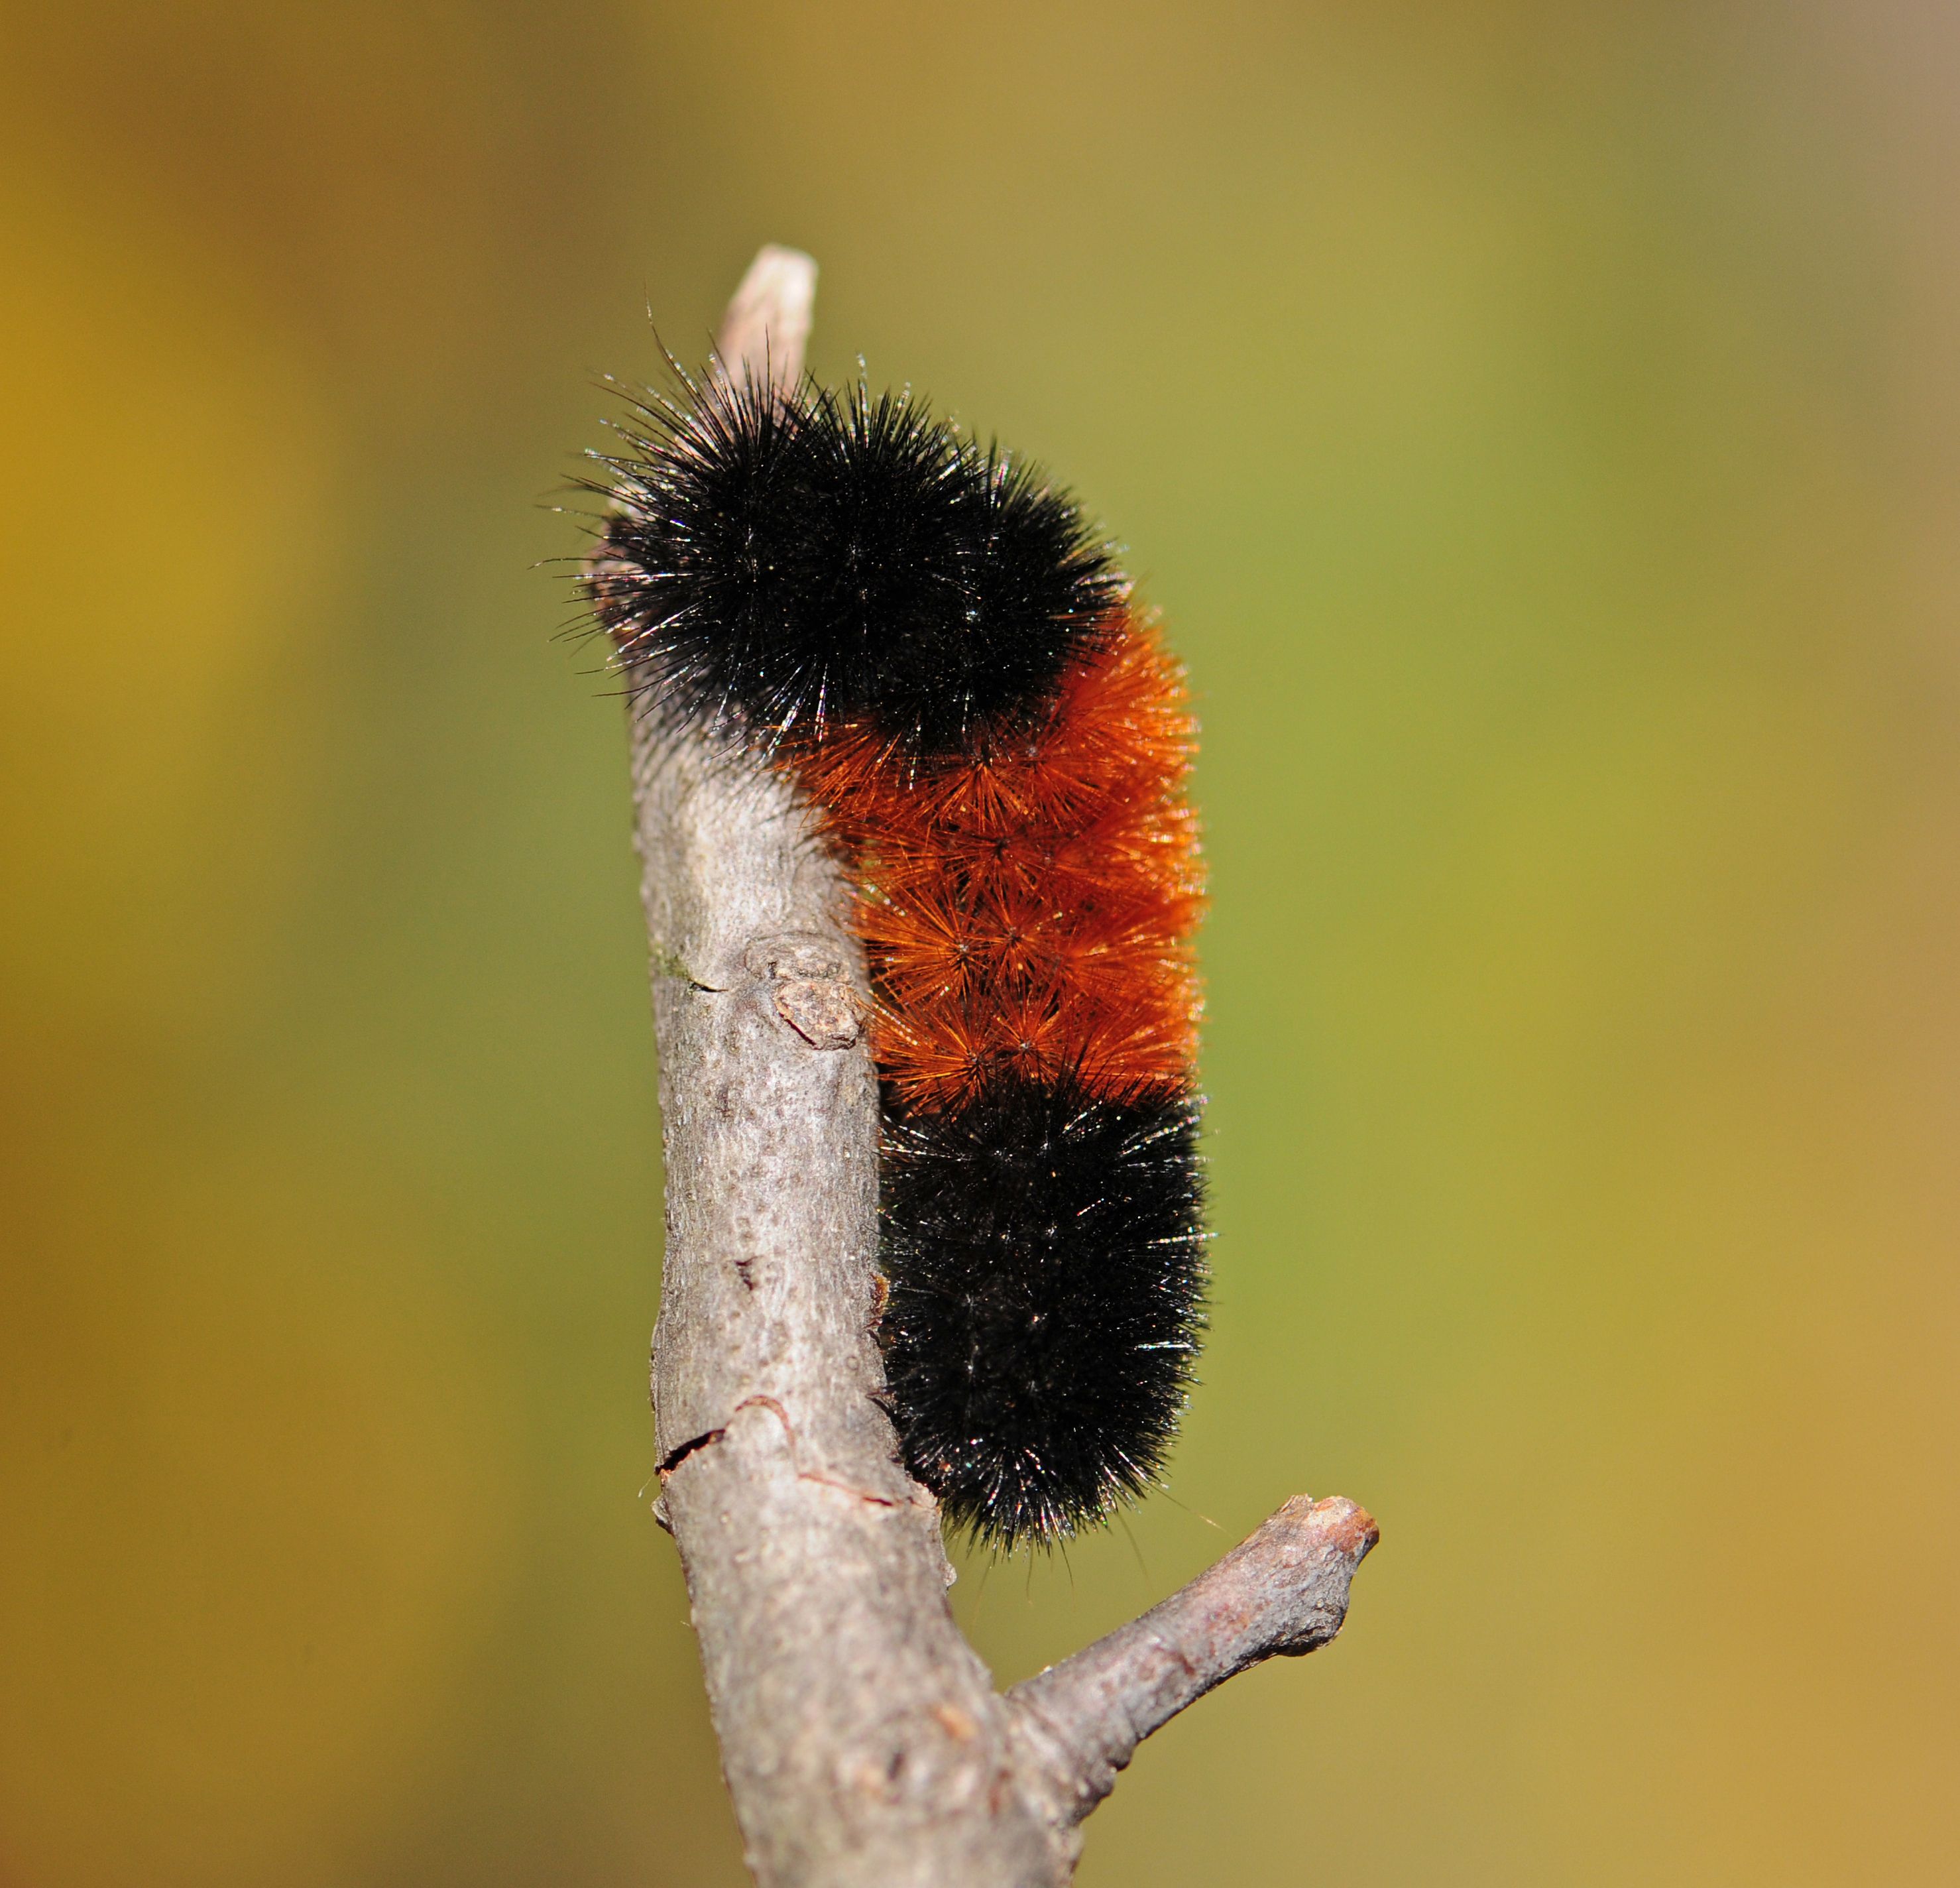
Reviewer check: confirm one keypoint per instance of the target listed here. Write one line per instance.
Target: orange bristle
(1030, 908)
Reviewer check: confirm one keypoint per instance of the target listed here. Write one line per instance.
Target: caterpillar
(935, 644)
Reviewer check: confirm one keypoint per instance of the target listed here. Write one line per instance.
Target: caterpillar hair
(928, 638)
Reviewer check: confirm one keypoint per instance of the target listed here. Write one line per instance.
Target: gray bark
(861, 1737)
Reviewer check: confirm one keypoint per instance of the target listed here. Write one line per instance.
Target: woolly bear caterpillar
(930, 640)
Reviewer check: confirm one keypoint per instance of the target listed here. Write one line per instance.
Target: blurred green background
(1540, 425)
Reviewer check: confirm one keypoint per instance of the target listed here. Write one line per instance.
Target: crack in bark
(674, 1457)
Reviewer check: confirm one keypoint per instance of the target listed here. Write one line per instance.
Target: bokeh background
(1540, 425)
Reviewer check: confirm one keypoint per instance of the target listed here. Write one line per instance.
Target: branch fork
(862, 1739)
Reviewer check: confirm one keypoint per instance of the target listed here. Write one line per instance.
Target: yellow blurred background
(1540, 425)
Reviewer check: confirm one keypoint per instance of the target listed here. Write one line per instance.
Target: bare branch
(862, 1741)
(1282, 1590)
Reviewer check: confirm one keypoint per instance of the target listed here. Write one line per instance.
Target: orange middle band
(1028, 912)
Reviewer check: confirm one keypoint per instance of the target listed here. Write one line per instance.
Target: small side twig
(864, 1744)
(1282, 1591)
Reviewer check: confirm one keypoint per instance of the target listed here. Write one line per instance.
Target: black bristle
(788, 560)
(1047, 1279)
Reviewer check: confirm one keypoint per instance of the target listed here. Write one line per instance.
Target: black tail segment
(1046, 1263)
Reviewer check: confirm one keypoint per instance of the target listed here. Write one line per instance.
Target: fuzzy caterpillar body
(929, 640)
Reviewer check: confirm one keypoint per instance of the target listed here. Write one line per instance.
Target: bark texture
(861, 1737)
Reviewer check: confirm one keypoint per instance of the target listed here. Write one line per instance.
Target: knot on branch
(813, 987)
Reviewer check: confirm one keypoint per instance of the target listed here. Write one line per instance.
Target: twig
(862, 1739)
(1282, 1590)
